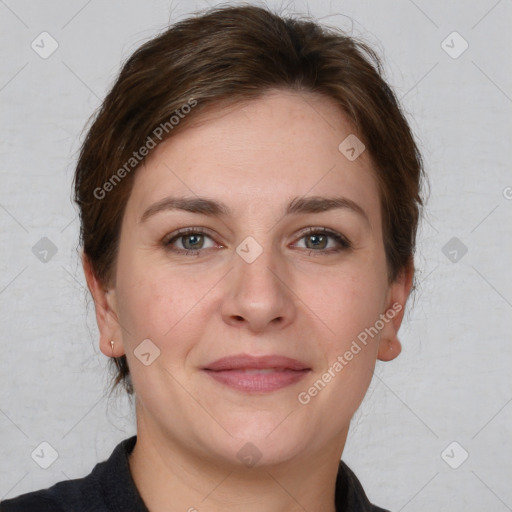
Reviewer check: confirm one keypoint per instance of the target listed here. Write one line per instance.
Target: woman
(249, 195)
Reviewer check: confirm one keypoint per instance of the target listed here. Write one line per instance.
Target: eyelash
(343, 242)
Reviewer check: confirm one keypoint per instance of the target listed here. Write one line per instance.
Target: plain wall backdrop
(448, 395)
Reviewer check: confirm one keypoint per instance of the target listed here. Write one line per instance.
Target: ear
(106, 312)
(389, 344)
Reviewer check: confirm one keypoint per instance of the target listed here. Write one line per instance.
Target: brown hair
(226, 55)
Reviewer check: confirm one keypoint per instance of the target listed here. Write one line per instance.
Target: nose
(259, 294)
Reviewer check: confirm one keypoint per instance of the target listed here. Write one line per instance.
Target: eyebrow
(213, 208)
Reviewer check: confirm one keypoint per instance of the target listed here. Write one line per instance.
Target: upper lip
(244, 361)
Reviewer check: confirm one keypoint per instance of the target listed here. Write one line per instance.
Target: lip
(247, 362)
(257, 374)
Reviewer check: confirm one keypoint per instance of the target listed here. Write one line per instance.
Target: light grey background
(452, 381)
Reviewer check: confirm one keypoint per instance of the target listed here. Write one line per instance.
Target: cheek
(349, 306)
(150, 306)
(163, 304)
(347, 303)
(161, 310)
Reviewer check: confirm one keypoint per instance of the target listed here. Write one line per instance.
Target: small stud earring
(112, 345)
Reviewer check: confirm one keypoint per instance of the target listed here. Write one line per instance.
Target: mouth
(261, 374)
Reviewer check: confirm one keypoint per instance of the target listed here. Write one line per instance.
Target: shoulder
(37, 501)
(350, 494)
(78, 495)
(88, 494)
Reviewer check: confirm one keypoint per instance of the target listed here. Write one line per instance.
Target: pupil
(317, 238)
(189, 237)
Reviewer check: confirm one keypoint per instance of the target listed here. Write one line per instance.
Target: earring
(112, 345)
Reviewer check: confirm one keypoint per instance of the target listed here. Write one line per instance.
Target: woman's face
(269, 275)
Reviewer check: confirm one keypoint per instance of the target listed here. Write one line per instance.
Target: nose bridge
(253, 270)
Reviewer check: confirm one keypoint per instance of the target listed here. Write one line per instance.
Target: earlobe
(389, 349)
(106, 313)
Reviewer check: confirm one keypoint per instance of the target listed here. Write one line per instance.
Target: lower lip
(257, 382)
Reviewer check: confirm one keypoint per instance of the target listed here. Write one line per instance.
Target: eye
(317, 240)
(191, 240)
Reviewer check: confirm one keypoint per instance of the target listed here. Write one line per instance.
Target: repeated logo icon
(454, 455)
(249, 455)
(44, 250)
(44, 45)
(249, 249)
(146, 352)
(454, 249)
(351, 147)
(44, 455)
(454, 45)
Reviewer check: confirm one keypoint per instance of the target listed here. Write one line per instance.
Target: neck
(171, 478)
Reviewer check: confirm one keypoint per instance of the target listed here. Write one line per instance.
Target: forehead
(260, 152)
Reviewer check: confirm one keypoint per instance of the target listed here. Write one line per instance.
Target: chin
(259, 439)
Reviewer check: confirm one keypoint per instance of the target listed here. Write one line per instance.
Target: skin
(296, 299)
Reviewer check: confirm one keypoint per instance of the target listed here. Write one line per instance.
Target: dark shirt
(110, 488)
